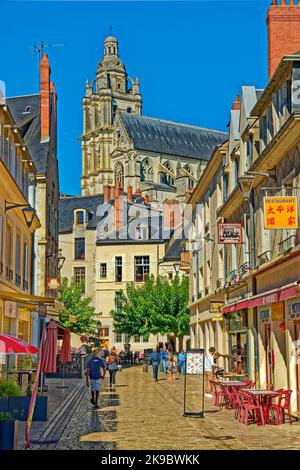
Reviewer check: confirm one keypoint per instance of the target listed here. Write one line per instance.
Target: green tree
(78, 306)
(157, 306)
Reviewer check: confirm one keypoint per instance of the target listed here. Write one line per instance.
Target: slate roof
(29, 124)
(174, 249)
(69, 204)
(156, 135)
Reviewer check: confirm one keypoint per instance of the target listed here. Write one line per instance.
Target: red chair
(218, 393)
(249, 383)
(252, 409)
(229, 397)
(283, 405)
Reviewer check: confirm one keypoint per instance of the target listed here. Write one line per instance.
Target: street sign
(280, 212)
(230, 234)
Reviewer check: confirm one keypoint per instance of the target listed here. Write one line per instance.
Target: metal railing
(287, 244)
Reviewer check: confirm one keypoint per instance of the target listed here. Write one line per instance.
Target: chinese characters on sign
(280, 212)
(229, 233)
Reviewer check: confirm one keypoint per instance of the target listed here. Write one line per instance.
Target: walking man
(154, 359)
(95, 372)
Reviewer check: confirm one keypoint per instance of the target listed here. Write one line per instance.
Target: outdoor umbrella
(11, 345)
(65, 353)
(49, 349)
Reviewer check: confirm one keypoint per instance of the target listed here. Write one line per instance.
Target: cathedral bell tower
(106, 94)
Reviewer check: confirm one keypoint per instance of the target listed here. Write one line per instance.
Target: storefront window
(237, 324)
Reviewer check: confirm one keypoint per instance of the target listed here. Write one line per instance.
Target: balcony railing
(264, 257)
(207, 290)
(287, 244)
(18, 280)
(244, 268)
(9, 273)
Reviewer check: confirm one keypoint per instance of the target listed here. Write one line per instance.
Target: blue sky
(191, 57)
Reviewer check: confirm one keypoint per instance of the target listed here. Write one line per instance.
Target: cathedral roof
(157, 135)
(26, 113)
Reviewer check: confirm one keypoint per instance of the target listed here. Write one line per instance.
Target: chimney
(129, 193)
(283, 22)
(236, 105)
(45, 97)
(119, 211)
(171, 213)
(106, 193)
(147, 199)
(112, 192)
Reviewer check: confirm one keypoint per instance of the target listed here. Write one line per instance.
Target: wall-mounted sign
(277, 311)
(280, 212)
(294, 311)
(215, 307)
(230, 234)
(10, 309)
(218, 317)
(53, 283)
(265, 316)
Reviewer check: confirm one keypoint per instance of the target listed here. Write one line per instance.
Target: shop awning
(235, 307)
(273, 296)
(26, 298)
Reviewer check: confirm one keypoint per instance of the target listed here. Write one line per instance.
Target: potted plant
(8, 431)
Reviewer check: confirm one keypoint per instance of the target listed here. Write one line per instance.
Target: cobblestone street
(141, 414)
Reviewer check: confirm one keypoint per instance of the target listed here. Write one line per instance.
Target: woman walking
(112, 365)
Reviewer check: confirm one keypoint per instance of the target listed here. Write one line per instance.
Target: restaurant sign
(53, 283)
(294, 311)
(280, 212)
(277, 311)
(215, 307)
(230, 234)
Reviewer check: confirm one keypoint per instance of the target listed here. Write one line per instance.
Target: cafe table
(263, 399)
(231, 386)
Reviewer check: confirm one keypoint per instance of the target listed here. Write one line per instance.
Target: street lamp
(28, 211)
(246, 184)
(60, 260)
(177, 265)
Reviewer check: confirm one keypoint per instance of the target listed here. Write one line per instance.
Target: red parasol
(65, 353)
(49, 349)
(12, 345)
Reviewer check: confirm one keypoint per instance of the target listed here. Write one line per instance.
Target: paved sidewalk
(141, 414)
(56, 398)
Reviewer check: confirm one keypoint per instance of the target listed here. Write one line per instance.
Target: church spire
(111, 47)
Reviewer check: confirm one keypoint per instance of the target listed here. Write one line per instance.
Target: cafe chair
(218, 393)
(252, 410)
(283, 406)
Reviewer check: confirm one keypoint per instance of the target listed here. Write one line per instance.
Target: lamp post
(176, 266)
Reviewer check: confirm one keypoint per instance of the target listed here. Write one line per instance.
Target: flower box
(20, 407)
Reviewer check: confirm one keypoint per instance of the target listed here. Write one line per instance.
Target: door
(269, 355)
(297, 352)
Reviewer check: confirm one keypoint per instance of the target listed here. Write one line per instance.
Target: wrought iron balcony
(264, 257)
(287, 244)
(245, 268)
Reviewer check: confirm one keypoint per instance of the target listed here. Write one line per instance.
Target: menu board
(194, 361)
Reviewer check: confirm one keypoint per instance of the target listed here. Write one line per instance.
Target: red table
(262, 396)
(232, 386)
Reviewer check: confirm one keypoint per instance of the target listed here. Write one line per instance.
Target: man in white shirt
(209, 366)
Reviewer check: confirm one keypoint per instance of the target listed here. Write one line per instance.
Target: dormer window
(79, 218)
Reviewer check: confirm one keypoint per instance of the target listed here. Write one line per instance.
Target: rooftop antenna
(38, 49)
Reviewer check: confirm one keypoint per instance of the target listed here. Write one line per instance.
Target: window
(129, 110)
(118, 304)
(118, 338)
(119, 173)
(18, 260)
(225, 188)
(104, 332)
(25, 266)
(118, 271)
(79, 248)
(103, 270)
(8, 246)
(79, 278)
(80, 218)
(137, 339)
(142, 268)
(236, 170)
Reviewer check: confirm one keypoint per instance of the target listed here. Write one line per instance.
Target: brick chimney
(106, 192)
(112, 192)
(45, 97)
(171, 213)
(236, 105)
(119, 211)
(283, 22)
(129, 193)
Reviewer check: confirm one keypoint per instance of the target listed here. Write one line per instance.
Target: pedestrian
(164, 360)
(104, 353)
(209, 366)
(154, 360)
(171, 363)
(112, 365)
(95, 372)
(181, 362)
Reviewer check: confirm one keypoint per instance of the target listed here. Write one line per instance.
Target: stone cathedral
(160, 158)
